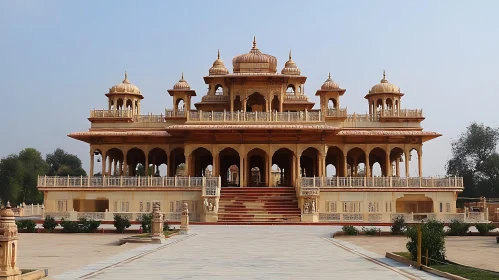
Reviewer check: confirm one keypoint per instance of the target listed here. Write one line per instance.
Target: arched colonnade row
(254, 168)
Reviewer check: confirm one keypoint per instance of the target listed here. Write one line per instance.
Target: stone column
(168, 166)
(184, 220)
(115, 167)
(8, 245)
(241, 171)
(146, 167)
(125, 167)
(388, 164)
(157, 224)
(231, 103)
(420, 163)
(244, 105)
(368, 166)
(109, 166)
(406, 155)
(91, 164)
(345, 166)
(397, 167)
(103, 171)
(355, 166)
(216, 166)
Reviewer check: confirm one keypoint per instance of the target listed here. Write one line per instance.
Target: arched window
(219, 90)
(180, 105)
(290, 90)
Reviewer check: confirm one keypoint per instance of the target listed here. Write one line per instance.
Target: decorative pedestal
(157, 225)
(310, 218)
(184, 220)
(8, 245)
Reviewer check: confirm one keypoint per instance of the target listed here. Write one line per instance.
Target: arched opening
(237, 104)
(413, 163)
(275, 104)
(397, 157)
(283, 160)
(275, 178)
(389, 104)
(378, 155)
(180, 105)
(334, 158)
(229, 165)
(396, 105)
(134, 157)
(255, 103)
(136, 107)
(140, 170)
(290, 90)
(158, 161)
(177, 158)
(331, 104)
(414, 203)
(379, 105)
(299, 89)
(201, 158)
(129, 104)
(119, 104)
(309, 162)
(111, 105)
(219, 90)
(114, 160)
(97, 163)
(257, 161)
(355, 157)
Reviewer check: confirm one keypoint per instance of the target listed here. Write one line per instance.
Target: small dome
(6, 211)
(384, 86)
(255, 56)
(290, 67)
(182, 84)
(218, 67)
(329, 84)
(125, 87)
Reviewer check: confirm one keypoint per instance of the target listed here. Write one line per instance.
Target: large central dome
(254, 62)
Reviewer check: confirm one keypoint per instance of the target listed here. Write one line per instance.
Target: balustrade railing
(169, 113)
(121, 181)
(381, 182)
(290, 97)
(239, 116)
(149, 118)
(111, 113)
(340, 113)
(403, 113)
(215, 98)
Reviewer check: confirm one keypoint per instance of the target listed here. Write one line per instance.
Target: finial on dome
(218, 54)
(289, 54)
(384, 74)
(254, 42)
(126, 81)
(126, 75)
(182, 78)
(329, 75)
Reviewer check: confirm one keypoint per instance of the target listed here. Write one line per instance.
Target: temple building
(255, 149)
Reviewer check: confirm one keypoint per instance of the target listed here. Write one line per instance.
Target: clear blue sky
(58, 58)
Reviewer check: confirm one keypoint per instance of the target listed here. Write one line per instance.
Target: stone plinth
(310, 217)
(184, 220)
(209, 217)
(157, 224)
(8, 245)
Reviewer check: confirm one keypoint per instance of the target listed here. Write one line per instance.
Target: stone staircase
(258, 206)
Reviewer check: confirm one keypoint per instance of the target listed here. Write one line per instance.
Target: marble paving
(249, 252)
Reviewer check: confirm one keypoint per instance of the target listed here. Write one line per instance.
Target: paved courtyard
(247, 252)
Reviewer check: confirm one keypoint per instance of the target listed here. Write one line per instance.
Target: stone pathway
(248, 252)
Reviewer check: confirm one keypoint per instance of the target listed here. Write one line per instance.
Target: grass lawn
(466, 272)
(166, 233)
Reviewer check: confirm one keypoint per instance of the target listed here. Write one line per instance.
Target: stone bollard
(157, 224)
(8, 245)
(184, 220)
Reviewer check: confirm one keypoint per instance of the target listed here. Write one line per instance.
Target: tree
(64, 164)
(475, 158)
(19, 177)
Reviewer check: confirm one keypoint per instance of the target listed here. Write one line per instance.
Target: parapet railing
(215, 98)
(381, 182)
(239, 116)
(209, 183)
(111, 113)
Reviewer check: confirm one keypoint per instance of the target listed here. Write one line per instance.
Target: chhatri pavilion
(255, 149)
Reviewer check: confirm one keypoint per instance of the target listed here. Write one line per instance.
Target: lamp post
(420, 242)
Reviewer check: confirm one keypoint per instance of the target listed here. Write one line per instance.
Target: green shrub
(28, 225)
(350, 230)
(457, 228)
(81, 226)
(370, 231)
(121, 223)
(166, 226)
(49, 224)
(483, 229)
(399, 226)
(146, 222)
(433, 239)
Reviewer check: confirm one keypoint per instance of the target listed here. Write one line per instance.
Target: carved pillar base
(310, 218)
(209, 217)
